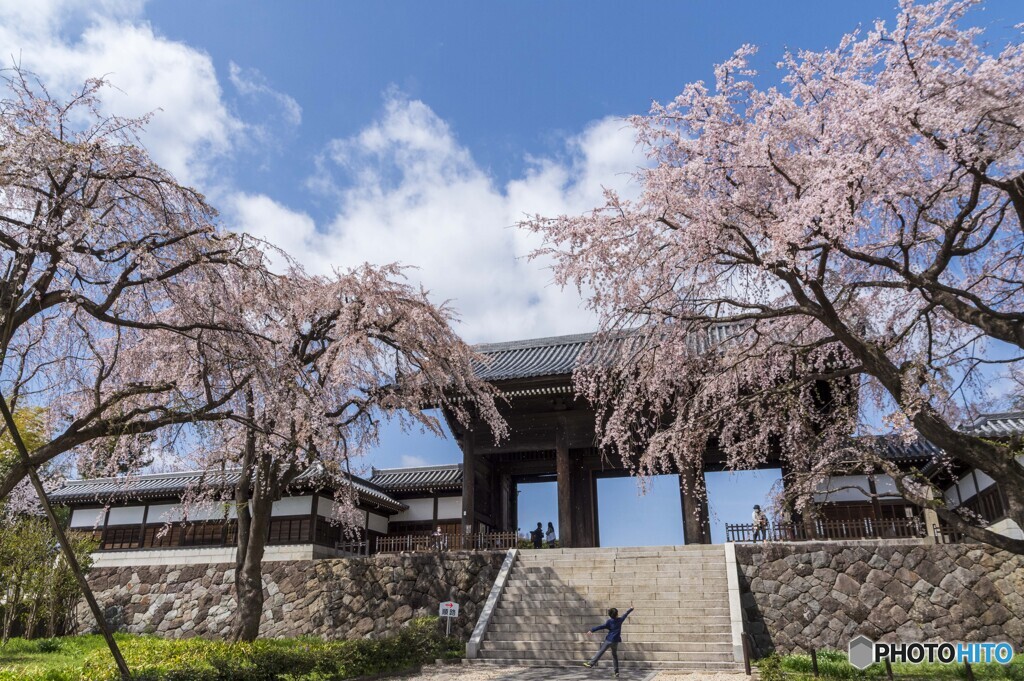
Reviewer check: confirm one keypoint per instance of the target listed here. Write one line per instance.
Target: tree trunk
(995, 460)
(252, 543)
(30, 620)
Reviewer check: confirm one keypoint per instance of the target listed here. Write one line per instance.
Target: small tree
(861, 223)
(35, 583)
(334, 356)
(111, 281)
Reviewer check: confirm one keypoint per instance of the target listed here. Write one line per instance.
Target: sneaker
(587, 665)
(616, 675)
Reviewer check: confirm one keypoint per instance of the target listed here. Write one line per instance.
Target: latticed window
(290, 530)
(121, 537)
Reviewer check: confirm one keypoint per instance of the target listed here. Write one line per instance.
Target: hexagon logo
(862, 652)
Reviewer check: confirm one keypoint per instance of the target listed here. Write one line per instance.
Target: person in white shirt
(760, 524)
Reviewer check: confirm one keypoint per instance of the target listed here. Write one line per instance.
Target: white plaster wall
(449, 508)
(1007, 527)
(210, 510)
(967, 488)
(377, 523)
(195, 556)
(419, 509)
(87, 517)
(293, 506)
(885, 486)
(950, 496)
(165, 513)
(125, 515)
(984, 481)
(325, 507)
(832, 489)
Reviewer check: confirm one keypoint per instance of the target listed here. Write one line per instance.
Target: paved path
(487, 673)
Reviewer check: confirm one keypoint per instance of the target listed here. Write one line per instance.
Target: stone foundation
(799, 596)
(332, 599)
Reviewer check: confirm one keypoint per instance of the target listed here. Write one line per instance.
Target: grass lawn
(86, 658)
(834, 665)
(31, 657)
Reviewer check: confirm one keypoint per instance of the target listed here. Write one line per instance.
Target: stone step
(634, 563)
(702, 657)
(695, 565)
(635, 649)
(696, 634)
(667, 578)
(540, 594)
(653, 559)
(627, 550)
(523, 578)
(635, 621)
(624, 664)
(592, 576)
(693, 608)
(619, 601)
(554, 596)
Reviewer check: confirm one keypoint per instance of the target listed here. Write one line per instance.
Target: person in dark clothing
(612, 640)
(538, 536)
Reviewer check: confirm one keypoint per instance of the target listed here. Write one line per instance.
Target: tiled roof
(895, 449)
(419, 479)
(151, 486)
(559, 355)
(555, 356)
(1005, 424)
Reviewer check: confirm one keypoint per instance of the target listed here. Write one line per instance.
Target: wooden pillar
(563, 469)
(696, 518)
(876, 504)
(583, 507)
(468, 483)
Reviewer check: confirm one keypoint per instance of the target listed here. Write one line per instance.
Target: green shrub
(48, 645)
(835, 666)
(301, 659)
(771, 668)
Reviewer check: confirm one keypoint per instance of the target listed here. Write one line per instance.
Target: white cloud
(251, 83)
(68, 41)
(410, 460)
(409, 192)
(402, 189)
(263, 217)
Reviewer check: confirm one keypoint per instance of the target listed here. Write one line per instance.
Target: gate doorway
(628, 518)
(536, 502)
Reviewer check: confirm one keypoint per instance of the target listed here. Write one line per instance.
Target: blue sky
(420, 132)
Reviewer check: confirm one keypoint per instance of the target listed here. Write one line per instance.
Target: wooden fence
(420, 543)
(816, 530)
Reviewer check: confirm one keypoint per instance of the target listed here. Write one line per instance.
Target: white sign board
(448, 609)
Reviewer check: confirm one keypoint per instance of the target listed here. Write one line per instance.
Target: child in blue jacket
(612, 640)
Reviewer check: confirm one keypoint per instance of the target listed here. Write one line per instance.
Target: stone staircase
(680, 595)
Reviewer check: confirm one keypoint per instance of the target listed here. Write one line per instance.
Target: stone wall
(798, 596)
(334, 599)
